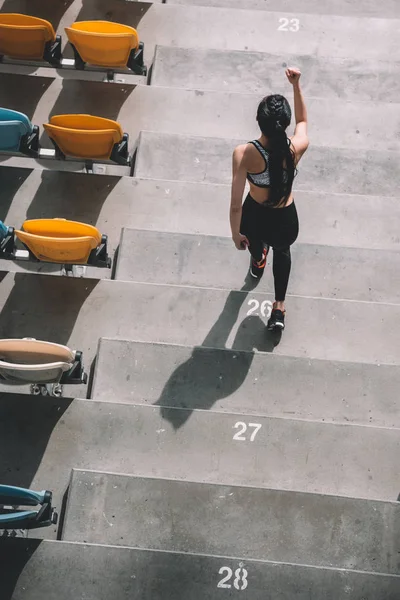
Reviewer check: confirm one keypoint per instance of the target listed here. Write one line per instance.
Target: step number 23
(289, 24)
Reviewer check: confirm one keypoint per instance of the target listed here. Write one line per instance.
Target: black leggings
(275, 227)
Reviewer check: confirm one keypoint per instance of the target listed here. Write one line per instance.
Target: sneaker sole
(278, 325)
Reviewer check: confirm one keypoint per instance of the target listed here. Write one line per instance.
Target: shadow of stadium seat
(88, 137)
(12, 517)
(28, 38)
(30, 361)
(64, 242)
(106, 44)
(17, 134)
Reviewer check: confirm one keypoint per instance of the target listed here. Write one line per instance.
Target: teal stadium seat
(17, 134)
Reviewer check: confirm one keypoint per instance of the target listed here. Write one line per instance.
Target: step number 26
(240, 581)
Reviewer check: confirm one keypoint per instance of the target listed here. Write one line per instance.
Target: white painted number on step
(265, 307)
(243, 428)
(289, 24)
(240, 581)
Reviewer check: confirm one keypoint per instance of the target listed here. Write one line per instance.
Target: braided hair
(273, 117)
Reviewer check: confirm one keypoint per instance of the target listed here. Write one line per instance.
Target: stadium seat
(44, 365)
(106, 44)
(64, 242)
(17, 134)
(12, 517)
(28, 38)
(3, 231)
(88, 137)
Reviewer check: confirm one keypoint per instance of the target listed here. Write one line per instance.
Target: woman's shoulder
(241, 154)
(245, 150)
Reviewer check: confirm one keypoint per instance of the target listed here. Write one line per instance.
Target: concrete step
(193, 112)
(319, 29)
(105, 508)
(243, 382)
(35, 570)
(207, 261)
(64, 73)
(366, 8)
(43, 439)
(323, 169)
(176, 206)
(261, 73)
(78, 312)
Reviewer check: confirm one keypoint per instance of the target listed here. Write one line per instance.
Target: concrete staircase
(207, 458)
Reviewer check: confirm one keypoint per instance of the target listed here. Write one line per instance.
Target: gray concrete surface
(47, 437)
(88, 74)
(41, 439)
(111, 202)
(194, 112)
(323, 169)
(366, 8)
(43, 570)
(261, 73)
(184, 26)
(70, 165)
(318, 271)
(80, 311)
(175, 206)
(215, 519)
(243, 382)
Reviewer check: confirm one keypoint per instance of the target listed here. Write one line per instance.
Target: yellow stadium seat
(88, 137)
(28, 38)
(106, 44)
(59, 240)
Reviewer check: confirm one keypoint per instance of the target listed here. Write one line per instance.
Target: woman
(268, 217)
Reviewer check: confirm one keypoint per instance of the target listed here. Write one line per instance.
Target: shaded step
(70, 73)
(201, 159)
(258, 73)
(215, 519)
(77, 312)
(366, 8)
(111, 202)
(43, 570)
(242, 382)
(43, 439)
(207, 261)
(217, 114)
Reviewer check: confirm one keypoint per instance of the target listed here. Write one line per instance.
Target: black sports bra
(263, 179)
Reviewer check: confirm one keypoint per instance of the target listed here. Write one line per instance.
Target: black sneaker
(257, 268)
(276, 320)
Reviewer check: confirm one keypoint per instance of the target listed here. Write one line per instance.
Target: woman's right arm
(300, 139)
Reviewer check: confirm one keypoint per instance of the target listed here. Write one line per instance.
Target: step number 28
(240, 580)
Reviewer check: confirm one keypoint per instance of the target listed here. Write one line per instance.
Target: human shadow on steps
(213, 372)
(15, 553)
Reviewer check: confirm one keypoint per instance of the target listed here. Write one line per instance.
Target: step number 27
(242, 427)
